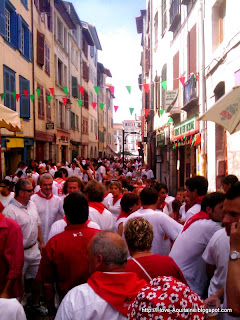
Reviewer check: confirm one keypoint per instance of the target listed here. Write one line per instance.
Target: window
(60, 115)
(77, 122)
(72, 120)
(164, 16)
(85, 100)
(84, 46)
(47, 58)
(59, 72)
(95, 127)
(9, 87)
(9, 23)
(92, 51)
(156, 30)
(24, 101)
(75, 87)
(40, 48)
(91, 125)
(59, 31)
(218, 23)
(85, 125)
(48, 106)
(24, 39)
(40, 103)
(65, 45)
(85, 71)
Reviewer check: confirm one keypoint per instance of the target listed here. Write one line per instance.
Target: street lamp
(124, 139)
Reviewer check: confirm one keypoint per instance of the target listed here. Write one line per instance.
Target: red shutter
(40, 48)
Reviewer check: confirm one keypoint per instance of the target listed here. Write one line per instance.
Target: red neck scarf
(106, 194)
(198, 216)
(123, 214)
(1, 207)
(97, 205)
(117, 289)
(161, 207)
(1, 216)
(59, 180)
(115, 199)
(40, 194)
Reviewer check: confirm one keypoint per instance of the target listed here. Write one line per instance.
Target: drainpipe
(33, 80)
(80, 72)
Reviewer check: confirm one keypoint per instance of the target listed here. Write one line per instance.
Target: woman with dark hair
(114, 203)
(228, 182)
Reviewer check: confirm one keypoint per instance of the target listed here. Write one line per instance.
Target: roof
(102, 69)
(87, 33)
(59, 5)
(95, 36)
(73, 14)
(139, 22)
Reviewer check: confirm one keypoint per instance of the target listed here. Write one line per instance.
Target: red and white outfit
(114, 207)
(189, 246)
(99, 214)
(107, 198)
(5, 200)
(164, 229)
(107, 295)
(74, 172)
(58, 187)
(195, 208)
(49, 209)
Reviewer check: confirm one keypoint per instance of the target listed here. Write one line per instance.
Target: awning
(226, 111)
(9, 119)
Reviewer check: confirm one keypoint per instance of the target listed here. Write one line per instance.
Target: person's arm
(233, 275)
(79, 165)
(215, 299)
(40, 239)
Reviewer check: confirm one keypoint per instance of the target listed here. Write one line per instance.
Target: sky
(121, 48)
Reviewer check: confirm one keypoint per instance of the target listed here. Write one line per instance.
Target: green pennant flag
(14, 94)
(170, 120)
(3, 95)
(184, 137)
(164, 85)
(161, 112)
(193, 141)
(65, 89)
(101, 105)
(174, 147)
(32, 96)
(38, 92)
(131, 110)
(49, 98)
(129, 88)
(80, 103)
(96, 88)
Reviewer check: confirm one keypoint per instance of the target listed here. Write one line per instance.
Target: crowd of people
(96, 239)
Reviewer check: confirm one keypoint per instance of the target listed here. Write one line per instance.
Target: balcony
(175, 14)
(190, 97)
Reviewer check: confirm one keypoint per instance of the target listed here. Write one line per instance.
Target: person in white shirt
(148, 172)
(114, 203)
(11, 309)
(109, 290)
(101, 171)
(5, 193)
(49, 206)
(164, 227)
(94, 192)
(162, 190)
(189, 246)
(74, 170)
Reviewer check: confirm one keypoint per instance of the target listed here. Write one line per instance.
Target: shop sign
(172, 101)
(160, 140)
(49, 125)
(187, 127)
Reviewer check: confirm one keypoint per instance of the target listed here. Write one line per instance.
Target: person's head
(130, 202)
(58, 165)
(180, 194)
(138, 233)
(46, 182)
(76, 209)
(74, 164)
(196, 187)
(115, 188)
(64, 173)
(212, 203)
(231, 207)
(58, 174)
(19, 174)
(5, 186)
(23, 191)
(107, 252)
(149, 197)
(176, 205)
(162, 191)
(8, 172)
(95, 191)
(144, 178)
(73, 184)
(228, 182)
(21, 165)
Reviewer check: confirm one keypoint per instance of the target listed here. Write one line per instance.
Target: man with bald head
(109, 290)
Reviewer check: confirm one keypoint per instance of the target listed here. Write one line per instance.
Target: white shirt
(217, 253)
(11, 309)
(5, 200)
(83, 303)
(164, 228)
(188, 249)
(57, 188)
(114, 208)
(192, 211)
(28, 219)
(148, 173)
(49, 210)
(107, 199)
(182, 212)
(59, 226)
(104, 219)
(74, 172)
(101, 172)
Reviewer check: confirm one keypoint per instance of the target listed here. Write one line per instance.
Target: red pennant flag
(197, 76)
(64, 100)
(52, 91)
(94, 104)
(146, 87)
(147, 112)
(182, 80)
(111, 88)
(81, 89)
(115, 108)
(18, 96)
(26, 93)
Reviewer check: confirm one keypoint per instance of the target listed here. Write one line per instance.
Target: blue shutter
(26, 43)
(2, 18)
(19, 27)
(30, 45)
(14, 29)
(24, 101)
(9, 87)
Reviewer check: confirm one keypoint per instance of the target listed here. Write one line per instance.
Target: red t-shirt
(155, 265)
(64, 259)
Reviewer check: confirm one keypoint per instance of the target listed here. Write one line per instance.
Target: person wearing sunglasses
(5, 192)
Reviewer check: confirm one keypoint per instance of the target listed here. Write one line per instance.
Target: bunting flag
(101, 105)
(80, 102)
(147, 112)
(170, 120)
(111, 88)
(18, 96)
(32, 96)
(38, 92)
(131, 110)
(52, 91)
(96, 88)
(3, 95)
(164, 85)
(146, 87)
(161, 112)
(94, 104)
(184, 137)
(193, 140)
(49, 98)
(65, 89)
(179, 144)
(129, 88)
(14, 94)
(115, 108)
(81, 89)
(65, 99)
(196, 77)
(182, 80)
(25, 93)
(174, 147)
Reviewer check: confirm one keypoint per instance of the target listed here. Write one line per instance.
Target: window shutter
(2, 18)
(24, 101)
(30, 45)
(40, 48)
(50, 19)
(12, 88)
(75, 87)
(19, 33)
(14, 29)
